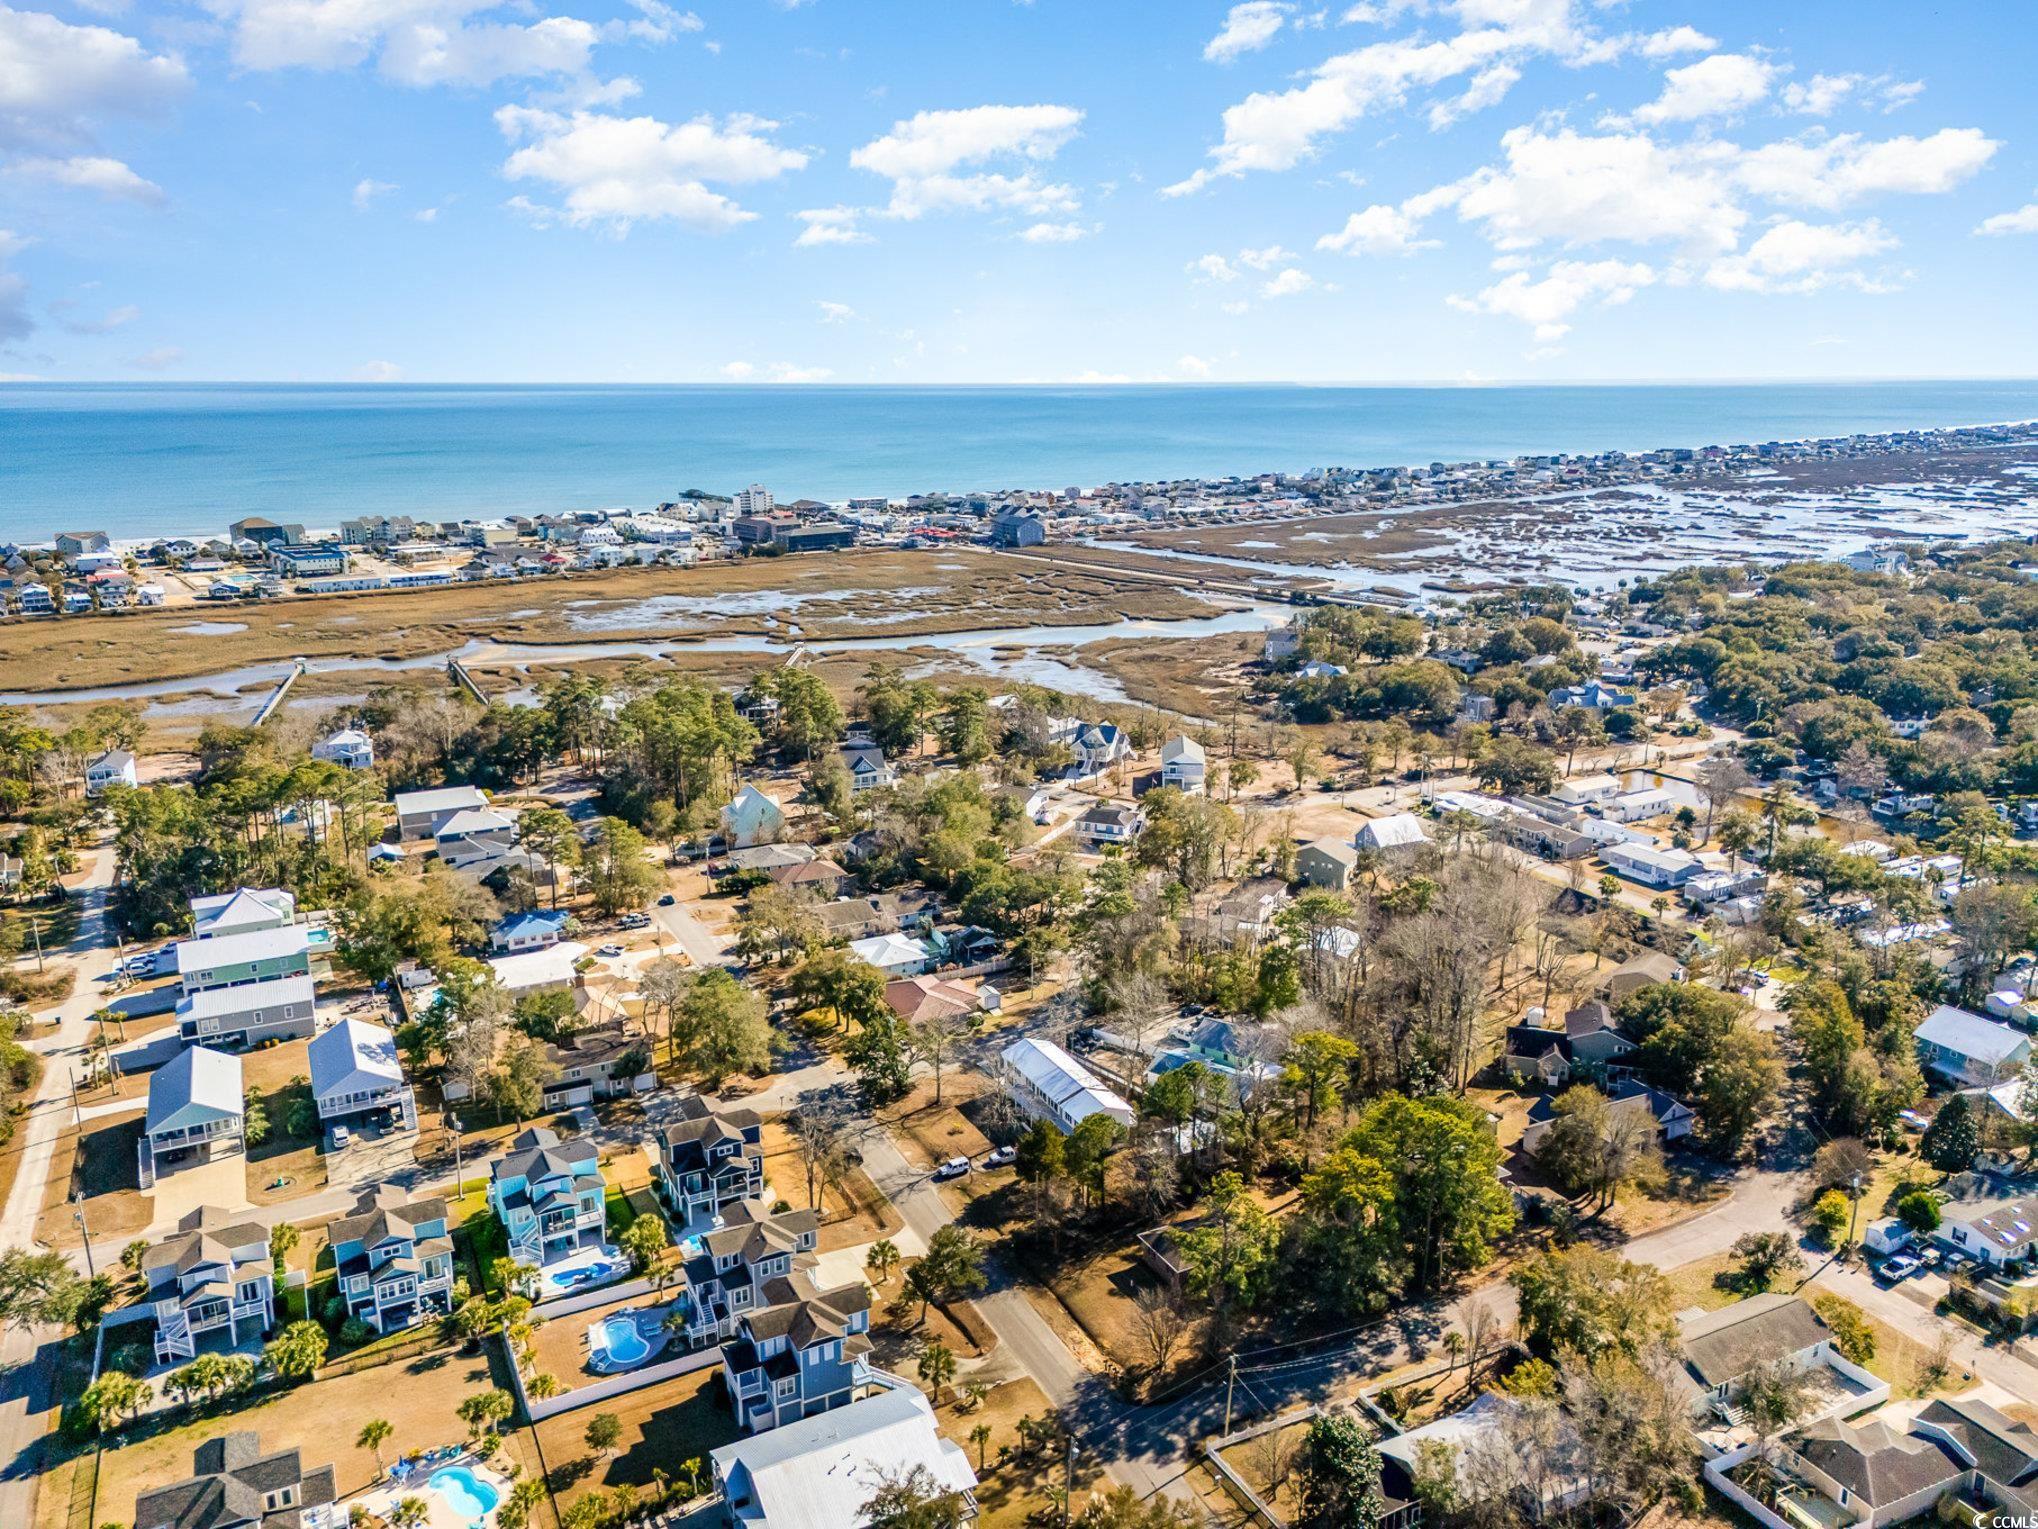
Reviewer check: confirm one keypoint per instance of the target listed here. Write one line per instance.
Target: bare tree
(1161, 1323)
(823, 1126)
(1721, 780)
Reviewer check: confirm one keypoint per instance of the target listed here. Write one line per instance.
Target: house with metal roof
(752, 818)
(421, 814)
(236, 1018)
(235, 1486)
(896, 955)
(233, 960)
(1183, 764)
(393, 1257)
(1049, 1084)
(242, 911)
(349, 748)
(1400, 831)
(819, 1472)
(1965, 1048)
(528, 931)
(196, 1113)
(357, 1078)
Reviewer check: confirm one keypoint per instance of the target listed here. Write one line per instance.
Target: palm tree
(1454, 1348)
(542, 1386)
(980, 1436)
(374, 1434)
(882, 1258)
(937, 1367)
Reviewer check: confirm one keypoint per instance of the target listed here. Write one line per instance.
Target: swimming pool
(465, 1493)
(625, 1345)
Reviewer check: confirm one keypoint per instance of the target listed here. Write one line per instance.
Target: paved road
(702, 945)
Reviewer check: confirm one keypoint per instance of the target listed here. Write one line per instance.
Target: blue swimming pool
(465, 1493)
(624, 1343)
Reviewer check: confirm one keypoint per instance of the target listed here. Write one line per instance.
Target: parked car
(610, 950)
(667, 900)
(954, 1168)
(143, 965)
(1000, 1156)
(1901, 1267)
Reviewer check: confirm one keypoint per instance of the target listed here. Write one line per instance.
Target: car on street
(634, 921)
(610, 950)
(1893, 1270)
(1000, 1156)
(667, 900)
(954, 1168)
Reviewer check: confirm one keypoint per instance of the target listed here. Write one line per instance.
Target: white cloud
(55, 78)
(776, 371)
(427, 214)
(368, 192)
(1192, 366)
(1576, 189)
(1488, 88)
(830, 225)
(835, 313)
(2023, 221)
(114, 318)
(615, 171)
(161, 359)
(1236, 306)
(1675, 40)
(1288, 283)
(378, 371)
(1803, 257)
(1713, 87)
(1548, 305)
(1379, 230)
(1820, 95)
(1247, 28)
(1265, 259)
(91, 172)
(1832, 172)
(1213, 268)
(922, 156)
(1053, 233)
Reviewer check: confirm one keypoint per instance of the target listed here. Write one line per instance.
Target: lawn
(663, 1426)
(1009, 1489)
(1706, 1283)
(100, 1161)
(419, 1397)
(853, 1212)
(1100, 1292)
(1268, 1465)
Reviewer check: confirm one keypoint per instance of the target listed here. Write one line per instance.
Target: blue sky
(981, 191)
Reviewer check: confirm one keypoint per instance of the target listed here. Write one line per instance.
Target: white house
(350, 748)
(1401, 831)
(1098, 746)
(115, 767)
(1994, 1232)
(242, 911)
(752, 818)
(1110, 823)
(1967, 1048)
(421, 814)
(528, 931)
(893, 954)
(1634, 806)
(868, 768)
(1049, 1084)
(1651, 866)
(818, 1472)
(1585, 789)
(1182, 764)
(355, 1073)
(542, 970)
(1320, 669)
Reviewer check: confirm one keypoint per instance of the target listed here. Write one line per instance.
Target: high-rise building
(754, 500)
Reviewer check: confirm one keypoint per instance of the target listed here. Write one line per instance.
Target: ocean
(181, 459)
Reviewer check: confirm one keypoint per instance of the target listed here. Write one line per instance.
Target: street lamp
(78, 1215)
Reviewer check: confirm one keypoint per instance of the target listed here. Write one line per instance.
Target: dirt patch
(664, 1426)
(101, 1162)
(1011, 1484)
(853, 1210)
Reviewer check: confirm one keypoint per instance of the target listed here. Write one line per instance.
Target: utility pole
(78, 1215)
(1068, 1474)
(35, 927)
(1230, 1380)
(1853, 1214)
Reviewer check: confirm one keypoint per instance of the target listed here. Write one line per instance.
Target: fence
(1258, 1509)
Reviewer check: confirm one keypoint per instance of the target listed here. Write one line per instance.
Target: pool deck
(550, 1288)
(380, 1499)
(561, 1344)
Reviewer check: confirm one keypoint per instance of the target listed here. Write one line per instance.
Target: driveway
(222, 1182)
(702, 945)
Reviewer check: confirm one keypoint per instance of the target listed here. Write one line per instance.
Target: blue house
(549, 1196)
(528, 931)
(732, 1273)
(394, 1258)
(799, 1356)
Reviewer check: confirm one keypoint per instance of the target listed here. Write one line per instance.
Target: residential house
(1016, 530)
(357, 1078)
(1965, 1048)
(733, 1272)
(596, 1061)
(1549, 1054)
(770, 857)
(1049, 1084)
(1592, 695)
(710, 1158)
(245, 910)
(238, 960)
(421, 814)
(475, 834)
(196, 1113)
(818, 1473)
(1644, 968)
(213, 1275)
(800, 1355)
(549, 1196)
(1722, 1348)
(1327, 862)
(1674, 1119)
(853, 918)
(1636, 806)
(1283, 642)
(1321, 669)
(1715, 887)
(115, 767)
(915, 999)
(1183, 765)
(235, 1486)
(1995, 1233)
(896, 955)
(752, 818)
(535, 930)
(868, 768)
(1109, 823)
(1399, 833)
(349, 748)
(820, 876)
(1651, 866)
(393, 1256)
(1565, 1482)
(236, 1018)
(1585, 790)
(73, 544)
(1247, 911)
(1098, 746)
